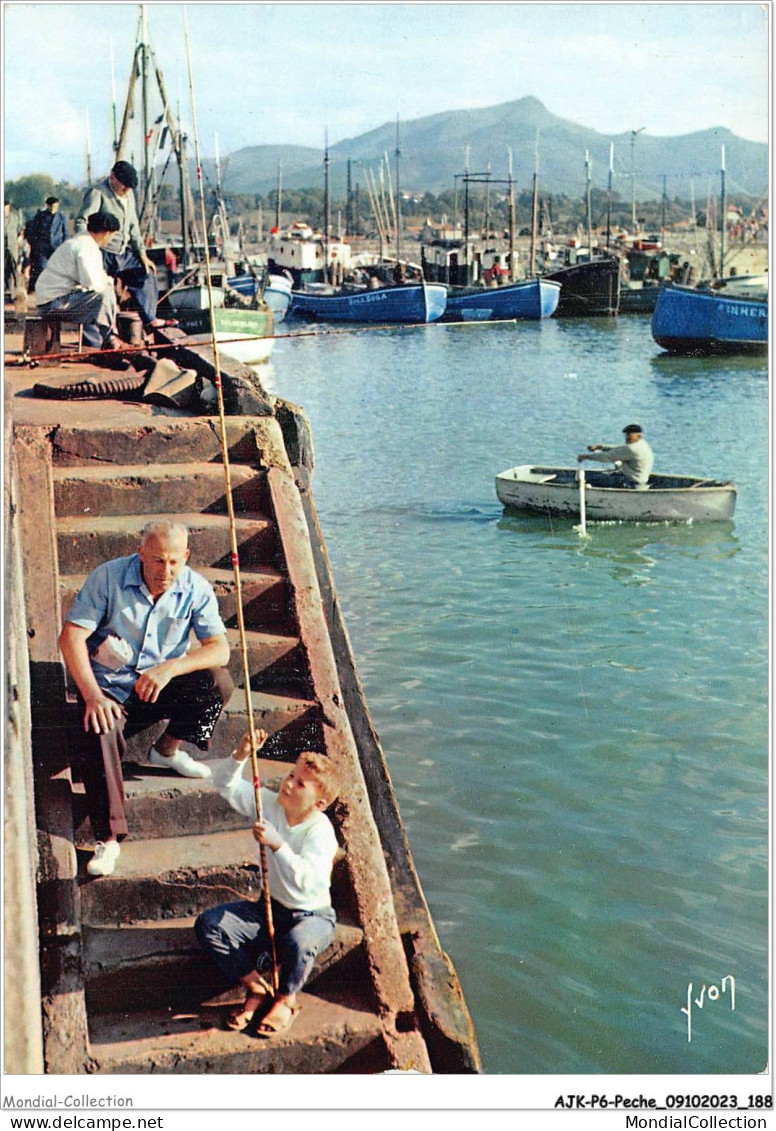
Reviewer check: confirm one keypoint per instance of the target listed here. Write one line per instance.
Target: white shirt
(299, 872)
(76, 265)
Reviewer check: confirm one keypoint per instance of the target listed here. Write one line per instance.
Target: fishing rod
(232, 525)
(70, 355)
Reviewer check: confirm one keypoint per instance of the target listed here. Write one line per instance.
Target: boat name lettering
(758, 311)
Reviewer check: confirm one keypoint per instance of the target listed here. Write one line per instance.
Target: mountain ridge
(434, 150)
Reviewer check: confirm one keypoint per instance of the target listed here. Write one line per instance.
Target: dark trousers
(192, 703)
(141, 284)
(236, 937)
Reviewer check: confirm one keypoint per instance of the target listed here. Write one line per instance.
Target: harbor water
(576, 728)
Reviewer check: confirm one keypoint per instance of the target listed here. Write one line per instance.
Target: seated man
(301, 847)
(74, 282)
(126, 644)
(124, 255)
(634, 458)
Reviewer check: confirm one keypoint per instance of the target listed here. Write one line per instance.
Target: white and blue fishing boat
(690, 321)
(403, 304)
(531, 299)
(276, 291)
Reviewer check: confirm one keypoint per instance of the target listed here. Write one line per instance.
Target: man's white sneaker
(181, 762)
(104, 860)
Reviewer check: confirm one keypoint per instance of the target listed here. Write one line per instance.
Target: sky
(286, 73)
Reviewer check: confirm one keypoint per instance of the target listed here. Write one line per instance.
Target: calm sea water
(576, 729)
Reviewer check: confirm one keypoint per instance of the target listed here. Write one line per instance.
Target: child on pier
(301, 845)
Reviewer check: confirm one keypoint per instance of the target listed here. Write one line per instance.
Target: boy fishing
(300, 848)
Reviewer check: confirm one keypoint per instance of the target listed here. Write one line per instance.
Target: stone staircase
(150, 998)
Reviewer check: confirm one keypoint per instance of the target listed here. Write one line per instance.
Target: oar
(582, 527)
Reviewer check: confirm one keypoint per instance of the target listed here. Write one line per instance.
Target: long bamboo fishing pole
(232, 525)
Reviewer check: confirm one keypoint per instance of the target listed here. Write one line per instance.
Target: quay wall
(23, 1041)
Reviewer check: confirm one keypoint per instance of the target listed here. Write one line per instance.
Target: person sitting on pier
(126, 644)
(634, 458)
(301, 846)
(74, 282)
(125, 254)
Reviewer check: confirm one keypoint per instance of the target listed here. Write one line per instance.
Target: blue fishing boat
(690, 321)
(410, 303)
(531, 299)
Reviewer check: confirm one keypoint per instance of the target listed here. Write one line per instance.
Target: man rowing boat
(634, 458)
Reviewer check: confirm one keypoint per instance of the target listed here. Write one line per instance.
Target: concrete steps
(160, 965)
(168, 439)
(162, 804)
(143, 489)
(328, 1036)
(264, 595)
(84, 541)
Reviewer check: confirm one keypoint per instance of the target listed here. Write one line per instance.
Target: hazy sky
(283, 73)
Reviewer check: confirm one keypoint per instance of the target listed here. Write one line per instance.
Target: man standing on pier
(126, 644)
(45, 232)
(124, 256)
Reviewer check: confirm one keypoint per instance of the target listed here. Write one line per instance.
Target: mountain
(434, 148)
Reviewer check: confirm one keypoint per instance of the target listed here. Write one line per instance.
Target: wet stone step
(140, 489)
(170, 439)
(84, 542)
(160, 965)
(160, 803)
(327, 1037)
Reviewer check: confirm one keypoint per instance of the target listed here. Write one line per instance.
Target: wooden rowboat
(667, 498)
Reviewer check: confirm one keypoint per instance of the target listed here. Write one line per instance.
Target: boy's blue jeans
(236, 938)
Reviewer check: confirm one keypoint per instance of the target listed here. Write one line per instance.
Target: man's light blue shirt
(114, 601)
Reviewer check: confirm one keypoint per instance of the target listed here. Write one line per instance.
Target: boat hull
(591, 288)
(669, 498)
(403, 304)
(242, 333)
(688, 321)
(533, 299)
(277, 292)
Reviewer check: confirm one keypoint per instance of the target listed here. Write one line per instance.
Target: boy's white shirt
(299, 871)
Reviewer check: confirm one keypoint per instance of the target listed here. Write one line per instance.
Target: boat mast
(114, 117)
(147, 131)
(588, 203)
(88, 149)
(398, 195)
(278, 204)
(326, 206)
(609, 197)
(634, 135)
(466, 216)
(512, 222)
(534, 210)
(723, 216)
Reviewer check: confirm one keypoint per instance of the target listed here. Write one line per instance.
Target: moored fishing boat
(275, 291)
(668, 498)
(690, 321)
(591, 287)
(532, 299)
(404, 304)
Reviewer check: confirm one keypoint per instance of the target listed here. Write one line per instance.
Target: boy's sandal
(274, 1026)
(240, 1018)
